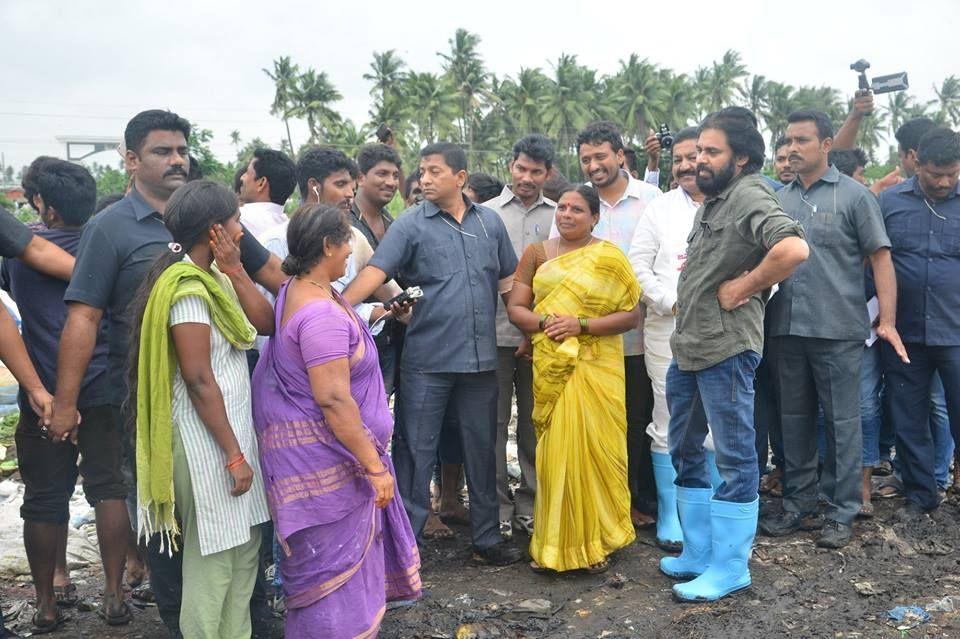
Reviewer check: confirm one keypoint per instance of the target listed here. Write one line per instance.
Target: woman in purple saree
(324, 426)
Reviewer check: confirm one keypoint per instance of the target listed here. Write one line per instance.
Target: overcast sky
(83, 67)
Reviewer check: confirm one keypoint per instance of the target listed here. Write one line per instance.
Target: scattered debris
(906, 617)
(868, 589)
(535, 606)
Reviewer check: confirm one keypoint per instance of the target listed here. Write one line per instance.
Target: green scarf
(155, 369)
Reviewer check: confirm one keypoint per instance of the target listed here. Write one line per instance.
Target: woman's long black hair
(190, 213)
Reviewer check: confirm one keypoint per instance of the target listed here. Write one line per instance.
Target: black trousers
(639, 400)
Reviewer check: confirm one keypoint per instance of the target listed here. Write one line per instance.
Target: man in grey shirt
(459, 253)
(527, 214)
(819, 319)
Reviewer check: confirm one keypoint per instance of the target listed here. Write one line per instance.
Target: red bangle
(236, 461)
(232, 270)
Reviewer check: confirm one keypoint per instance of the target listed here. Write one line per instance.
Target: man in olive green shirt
(740, 245)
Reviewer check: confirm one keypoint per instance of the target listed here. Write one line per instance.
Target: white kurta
(658, 253)
(224, 521)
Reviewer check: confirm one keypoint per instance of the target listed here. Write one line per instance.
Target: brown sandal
(599, 567)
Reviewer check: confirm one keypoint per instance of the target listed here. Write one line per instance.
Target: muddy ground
(798, 591)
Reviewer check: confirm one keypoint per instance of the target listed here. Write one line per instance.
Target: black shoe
(835, 534)
(786, 523)
(502, 554)
(911, 513)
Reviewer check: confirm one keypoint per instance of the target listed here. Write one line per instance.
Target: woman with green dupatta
(574, 296)
(198, 477)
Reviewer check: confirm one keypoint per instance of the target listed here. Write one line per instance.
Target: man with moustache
(658, 254)
(459, 253)
(265, 185)
(527, 214)
(116, 249)
(781, 163)
(922, 217)
(740, 245)
(819, 322)
(623, 200)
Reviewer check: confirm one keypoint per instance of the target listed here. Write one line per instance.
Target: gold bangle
(583, 326)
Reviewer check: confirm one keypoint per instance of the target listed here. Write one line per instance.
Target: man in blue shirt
(459, 253)
(922, 216)
(66, 197)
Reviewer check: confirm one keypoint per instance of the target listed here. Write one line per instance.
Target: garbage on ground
(906, 617)
(535, 606)
(950, 603)
(477, 631)
(868, 589)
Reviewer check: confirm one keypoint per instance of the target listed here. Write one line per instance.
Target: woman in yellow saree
(573, 296)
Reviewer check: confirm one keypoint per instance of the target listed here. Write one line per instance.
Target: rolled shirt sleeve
(643, 254)
(14, 235)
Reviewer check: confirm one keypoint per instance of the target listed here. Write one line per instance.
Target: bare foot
(136, 571)
(641, 520)
(456, 513)
(436, 529)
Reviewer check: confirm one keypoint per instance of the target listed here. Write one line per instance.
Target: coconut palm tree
(639, 97)
(348, 138)
(312, 98)
(522, 102)
(754, 94)
(284, 76)
(569, 101)
(898, 105)
(464, 68)
(386, 73)
(722, 79)
(432, 104)
(948, 101)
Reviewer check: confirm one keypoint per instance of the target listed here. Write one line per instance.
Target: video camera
(880, 84)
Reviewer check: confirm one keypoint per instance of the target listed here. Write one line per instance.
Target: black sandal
(66, 595)
(42, 627)
(121, 619)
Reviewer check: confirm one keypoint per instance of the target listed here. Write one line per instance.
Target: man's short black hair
(237, 182)
(69, 188)
(485, 186)
(781, 142)
(824, 126)
(630, 159)
(909, 134)
(684, 134)
(741, 133)
(195, 171)
(319, 163)
(537, 147)
(280, 171)
(140, 126)
(939, 146)
(29, 179)
(847, 160)
(371, 155)
(452, 154)
(600, 132)
(107, 200)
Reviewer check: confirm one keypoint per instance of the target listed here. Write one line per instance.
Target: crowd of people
(220, 374)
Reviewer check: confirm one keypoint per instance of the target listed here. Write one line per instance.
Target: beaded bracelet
(236, 461)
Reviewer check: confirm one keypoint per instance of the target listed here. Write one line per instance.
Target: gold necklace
(560, 242)
(316, 283)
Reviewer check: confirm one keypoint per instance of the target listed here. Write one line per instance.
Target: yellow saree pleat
(582, 505)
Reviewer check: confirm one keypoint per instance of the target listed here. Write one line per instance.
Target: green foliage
(469, 105)
(109, 179)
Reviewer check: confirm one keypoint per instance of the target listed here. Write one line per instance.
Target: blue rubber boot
(694, 507)
(713, 470)
(669, 534)
(733, 527)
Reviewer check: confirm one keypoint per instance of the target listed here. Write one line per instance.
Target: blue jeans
(723, 396)
(940, 428)
(871, 415)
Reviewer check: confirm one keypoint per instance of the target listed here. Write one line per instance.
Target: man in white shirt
(269, 180)
(623, 200)
(658, 254)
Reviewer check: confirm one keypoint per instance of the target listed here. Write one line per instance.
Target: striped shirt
(223, 520)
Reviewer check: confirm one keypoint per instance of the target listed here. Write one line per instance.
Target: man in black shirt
(116, 250)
